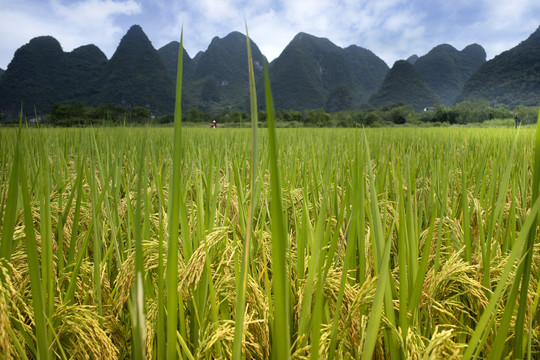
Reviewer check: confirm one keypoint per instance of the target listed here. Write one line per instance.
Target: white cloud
(92, 20)
(73, 24)
(93, 12)
(392, 29)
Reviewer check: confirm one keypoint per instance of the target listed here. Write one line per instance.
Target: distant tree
(194, 115)
(371, 118)
(140, 115)
(500, 111)
(166, 119)
(398, 115)
(261, 115)
(289, 115)
(112, 113)
(471, 112)
(317, 118)
(78, 110)
(527, 114)
(239, 116)
(60, 112)
(66, 115)
(348, 118)
(441, 114)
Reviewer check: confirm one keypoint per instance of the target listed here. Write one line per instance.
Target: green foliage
(195, 115)
(369, 222)
(115, 114)
(398, 115)
(289, 115)
(349, 118)
(238, 116)
(477, 112)
(140, 115)
(439, 114)
(470, 112)
(317, 118)
(262, 116)
(527, 114)
(78, 114)
(62, 112)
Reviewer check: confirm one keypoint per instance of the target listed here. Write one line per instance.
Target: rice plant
(269, 243)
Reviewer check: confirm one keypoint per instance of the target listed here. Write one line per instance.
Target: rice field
(134, 243)
(396, 243)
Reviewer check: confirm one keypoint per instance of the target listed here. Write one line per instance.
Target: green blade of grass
(349, 257)
(477, 339)
(70, 292)
(38, 298)
(139, 323)
(10, 214)
(76, 214)
(47, 260)
(160, 332)
(242, 282)
(381, 259)
(404, 272)
(174, 215)
(519, 342)
(97, 239)
(372, 331)
(280, 279)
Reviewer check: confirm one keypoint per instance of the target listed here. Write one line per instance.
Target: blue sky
(392, 29)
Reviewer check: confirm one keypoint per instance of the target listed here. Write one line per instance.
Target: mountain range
(310, 73)
(511, 78)
(309, 69)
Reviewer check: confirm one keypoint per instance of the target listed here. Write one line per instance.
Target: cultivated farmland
(383, 243)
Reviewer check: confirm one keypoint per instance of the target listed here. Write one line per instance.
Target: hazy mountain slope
(512, 77)
(169, 54)
(220, 79)
(403, 83)
(41, 74)
(446, 69)
(137, 76)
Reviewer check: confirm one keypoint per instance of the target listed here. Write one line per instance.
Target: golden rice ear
(454, 296)
(81, 334)
(6, 291)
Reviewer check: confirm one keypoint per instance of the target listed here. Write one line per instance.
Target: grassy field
(395, 243)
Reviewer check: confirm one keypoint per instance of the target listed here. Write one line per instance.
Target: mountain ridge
(315, 68)
(404, 84)
(445, 69)
(137, 76)
(310, 73)
(511, 78)
(52, 75)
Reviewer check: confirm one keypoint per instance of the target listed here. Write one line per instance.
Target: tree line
(466, 112)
